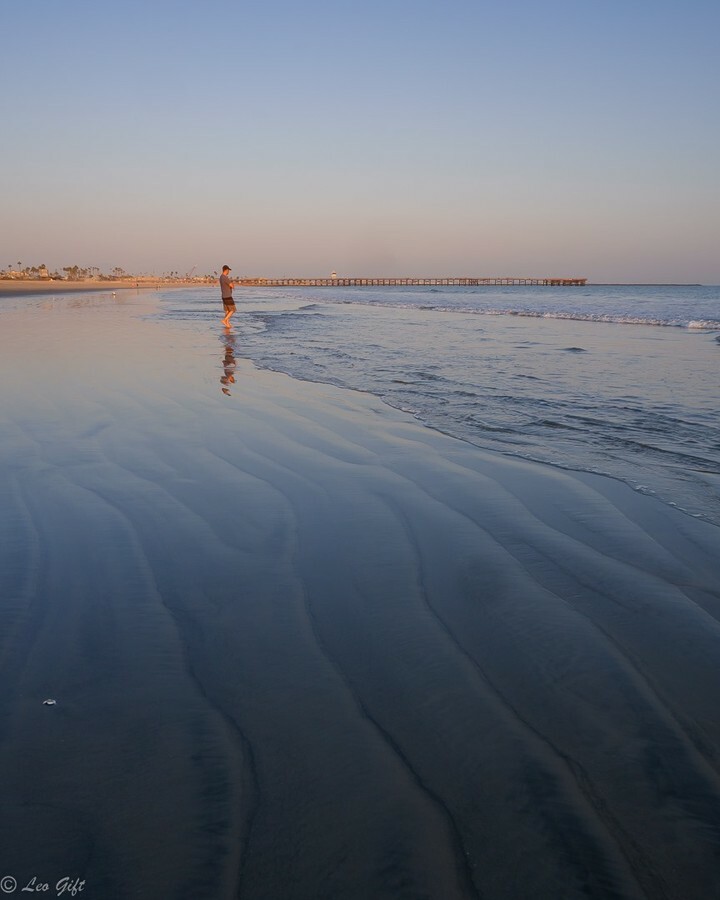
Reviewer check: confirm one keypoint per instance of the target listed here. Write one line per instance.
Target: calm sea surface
(618, 380)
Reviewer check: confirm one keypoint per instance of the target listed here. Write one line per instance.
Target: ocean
(619, 380)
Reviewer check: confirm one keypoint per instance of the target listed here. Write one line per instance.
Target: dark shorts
(228, 303)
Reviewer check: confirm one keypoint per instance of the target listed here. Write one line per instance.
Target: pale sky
(370, 137)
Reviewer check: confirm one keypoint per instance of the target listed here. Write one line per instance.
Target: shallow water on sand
(301, 647)
(620, 381)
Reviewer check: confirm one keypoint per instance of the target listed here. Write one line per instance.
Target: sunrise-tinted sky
(375, 137)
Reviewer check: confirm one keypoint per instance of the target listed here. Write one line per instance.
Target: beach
(301, 645)
(19, 287)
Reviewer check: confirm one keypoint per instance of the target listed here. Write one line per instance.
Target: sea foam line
(606, 318)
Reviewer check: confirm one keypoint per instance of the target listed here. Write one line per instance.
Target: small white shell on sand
(49, 702)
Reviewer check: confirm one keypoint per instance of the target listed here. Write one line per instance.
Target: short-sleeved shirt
(225, 287)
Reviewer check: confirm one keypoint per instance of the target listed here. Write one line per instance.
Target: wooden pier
(398, 282)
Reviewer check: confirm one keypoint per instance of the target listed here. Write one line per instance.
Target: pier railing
(394, 282)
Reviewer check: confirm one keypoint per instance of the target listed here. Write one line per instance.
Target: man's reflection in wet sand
(229, 363)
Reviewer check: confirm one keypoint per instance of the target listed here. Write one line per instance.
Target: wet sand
(303, 647)
(21, 288)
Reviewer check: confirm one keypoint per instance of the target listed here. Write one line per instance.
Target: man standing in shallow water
(226, 292)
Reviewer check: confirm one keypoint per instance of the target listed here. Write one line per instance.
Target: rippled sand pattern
(303, 647)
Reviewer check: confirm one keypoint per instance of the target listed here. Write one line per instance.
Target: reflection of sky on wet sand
(83, 300)
(83, 377)
(79, 347)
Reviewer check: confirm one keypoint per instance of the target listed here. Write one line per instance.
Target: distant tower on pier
(333, 275)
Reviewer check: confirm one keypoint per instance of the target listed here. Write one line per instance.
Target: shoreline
(12, 288)
(19, 288)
